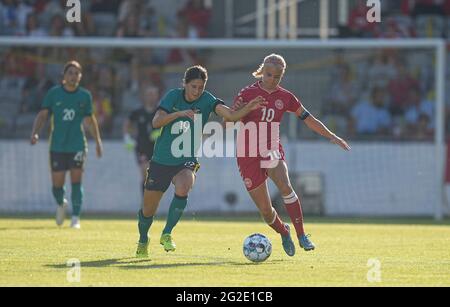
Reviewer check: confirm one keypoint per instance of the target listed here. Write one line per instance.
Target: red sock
(294, 209)
(278, 225)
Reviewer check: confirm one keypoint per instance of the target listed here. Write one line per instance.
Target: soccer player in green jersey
(69, 105)
(175, 115)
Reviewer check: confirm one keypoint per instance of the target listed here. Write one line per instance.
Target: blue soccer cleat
(305, 243)
(288, 244)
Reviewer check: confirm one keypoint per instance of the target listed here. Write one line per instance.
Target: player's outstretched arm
(317, 126)
(39, 122)
(231, 115)
(92, 124)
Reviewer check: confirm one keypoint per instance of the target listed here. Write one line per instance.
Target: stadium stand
(116, 77)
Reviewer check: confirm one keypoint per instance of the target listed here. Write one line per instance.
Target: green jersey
(68, 109)
(181, 139)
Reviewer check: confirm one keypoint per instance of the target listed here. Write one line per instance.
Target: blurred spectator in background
(424, 129)
(371, 117)
(381, 70)
(105, 92)
(35, 89)
(52, 8)
(127, 8)
(102, 106)
(197, 16)
(423, 7)
(58, 27)
(399, 89)
(397, 27)
(16, 67)
(33, 27)
(343, 93)
(183, 57)
(358, 23)
(104, 6)
(39, 6)
(338, 103)
(9, 22)
(137, 15)
(129, 27)
(419, 112)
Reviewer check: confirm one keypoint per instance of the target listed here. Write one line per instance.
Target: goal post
(436, 47)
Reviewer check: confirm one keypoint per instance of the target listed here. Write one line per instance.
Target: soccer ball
(257, 247)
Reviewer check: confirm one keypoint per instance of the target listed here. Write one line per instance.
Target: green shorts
(160, 176)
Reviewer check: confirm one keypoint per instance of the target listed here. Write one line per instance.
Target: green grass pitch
(34, 252)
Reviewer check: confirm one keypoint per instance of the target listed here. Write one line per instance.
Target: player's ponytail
(274, 59)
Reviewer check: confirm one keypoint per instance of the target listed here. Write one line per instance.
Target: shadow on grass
(28, 228)
(99, 263)
(195, 264)
(137, 264)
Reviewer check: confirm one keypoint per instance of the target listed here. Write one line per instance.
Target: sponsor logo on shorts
(279, 104)
(248, 183)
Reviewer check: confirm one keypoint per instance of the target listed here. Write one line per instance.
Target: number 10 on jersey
(267, 115)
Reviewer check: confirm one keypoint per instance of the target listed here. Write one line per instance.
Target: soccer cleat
(61, 213)
(75, 222)
(305, 243)
(167, 242)
(288, 244)
(142, 250)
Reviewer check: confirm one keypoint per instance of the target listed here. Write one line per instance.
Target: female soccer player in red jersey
(269, 160)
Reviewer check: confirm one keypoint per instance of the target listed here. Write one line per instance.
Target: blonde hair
(274, 59)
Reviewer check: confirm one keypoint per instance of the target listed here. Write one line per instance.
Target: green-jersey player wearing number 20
(177, 111)
(68, 105)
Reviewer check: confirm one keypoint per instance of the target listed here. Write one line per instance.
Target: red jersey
(266, 119)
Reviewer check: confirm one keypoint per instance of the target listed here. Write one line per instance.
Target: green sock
(77, 198)
(176, 210)
(58, 194)
(144, 225)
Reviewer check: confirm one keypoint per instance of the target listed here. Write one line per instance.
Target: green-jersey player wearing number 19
(175, 115)
(68, 105)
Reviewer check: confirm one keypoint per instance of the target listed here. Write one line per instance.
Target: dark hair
(195, 72)
(72, 64)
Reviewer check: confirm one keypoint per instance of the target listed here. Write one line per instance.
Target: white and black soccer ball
(257, 247)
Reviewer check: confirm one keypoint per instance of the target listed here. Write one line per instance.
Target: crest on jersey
(248, 182)
(279, 104)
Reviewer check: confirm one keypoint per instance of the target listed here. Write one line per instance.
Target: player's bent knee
(183, 190)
